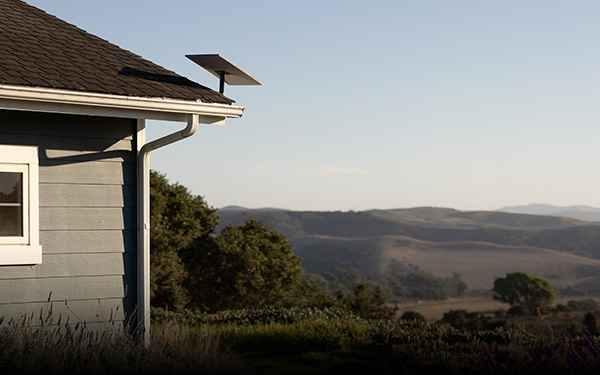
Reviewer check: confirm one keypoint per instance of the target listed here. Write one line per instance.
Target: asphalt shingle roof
(40, 50)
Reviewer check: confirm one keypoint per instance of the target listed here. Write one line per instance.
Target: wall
(87, 219)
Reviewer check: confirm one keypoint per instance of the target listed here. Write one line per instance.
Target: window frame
(26, 249)
(23, 169)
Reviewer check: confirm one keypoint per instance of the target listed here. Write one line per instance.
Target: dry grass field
(552, 323)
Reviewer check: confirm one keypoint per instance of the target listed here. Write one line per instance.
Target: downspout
(143, 223)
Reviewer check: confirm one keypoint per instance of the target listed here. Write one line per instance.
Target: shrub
(412, 315)
(583, 305)
(471, 321)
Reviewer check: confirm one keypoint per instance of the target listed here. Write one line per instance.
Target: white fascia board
(85, 103)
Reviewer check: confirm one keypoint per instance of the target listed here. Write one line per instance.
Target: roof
(40, 50)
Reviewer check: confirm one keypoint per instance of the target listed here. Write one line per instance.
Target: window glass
(11, 204)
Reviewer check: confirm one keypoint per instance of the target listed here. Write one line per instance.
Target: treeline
(251, 266)
(403, 285)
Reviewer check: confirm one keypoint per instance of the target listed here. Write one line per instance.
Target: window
(19, 218)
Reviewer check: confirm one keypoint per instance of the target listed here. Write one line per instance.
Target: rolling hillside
(481, 246)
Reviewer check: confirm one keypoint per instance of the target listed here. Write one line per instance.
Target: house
(74, 177)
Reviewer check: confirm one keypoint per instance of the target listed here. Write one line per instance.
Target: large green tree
(525, 290)
(245, 267)
(177, 219)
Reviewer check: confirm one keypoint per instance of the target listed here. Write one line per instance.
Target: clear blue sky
(380, 104)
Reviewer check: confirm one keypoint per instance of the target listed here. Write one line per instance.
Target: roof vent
(224, 70)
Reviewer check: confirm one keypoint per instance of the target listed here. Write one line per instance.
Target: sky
(472, 105)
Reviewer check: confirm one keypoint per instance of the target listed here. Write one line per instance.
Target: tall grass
(49, 346)
(290, 341)
(298, 341)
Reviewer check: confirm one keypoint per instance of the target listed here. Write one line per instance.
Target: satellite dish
(226, 71)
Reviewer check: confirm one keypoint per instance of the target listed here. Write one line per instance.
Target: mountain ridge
(579, 212)
(480, 245)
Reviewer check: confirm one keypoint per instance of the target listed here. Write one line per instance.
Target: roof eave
(39, 99)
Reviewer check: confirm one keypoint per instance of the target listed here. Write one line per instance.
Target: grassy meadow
(299, 341)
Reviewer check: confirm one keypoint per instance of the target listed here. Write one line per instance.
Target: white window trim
(26, 249)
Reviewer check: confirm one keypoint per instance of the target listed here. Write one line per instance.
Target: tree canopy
(177, 219)
(525, 290)
(242, 267)
(245, 266)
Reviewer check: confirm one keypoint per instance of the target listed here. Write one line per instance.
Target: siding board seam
(65, 277)
(84, 230)
(68, 300)
(85, 183)
(90, 207)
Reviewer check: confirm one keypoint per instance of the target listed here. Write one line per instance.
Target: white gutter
(144, 222)
(40, 99)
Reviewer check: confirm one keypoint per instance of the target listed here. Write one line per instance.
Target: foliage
(411, 284)
(522, 289)
(343, 279)
(266, 315)
(368, 302)
(311, 292)
(412, 315)
(299, 341)
(583, 305)
(290, 341)
(177, 219)
(242, 267)
(245, 267)
(167, 274)
(423, 286)
(471, 321)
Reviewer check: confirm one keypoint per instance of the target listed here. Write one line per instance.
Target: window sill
(20, 255)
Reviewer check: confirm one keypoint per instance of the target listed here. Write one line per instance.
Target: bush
(583, 305)
(412, 315)
(562, 308)
(471, 321)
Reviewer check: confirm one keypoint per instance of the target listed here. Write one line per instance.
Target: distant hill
(481, 246)
(585, 213)
(240, 208)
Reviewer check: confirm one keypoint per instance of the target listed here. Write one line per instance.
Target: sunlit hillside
(481, 246)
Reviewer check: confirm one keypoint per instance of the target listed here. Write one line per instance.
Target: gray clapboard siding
(51, 124)
(88, 311)
(89, 218)
(93, 172)
(92, 241)
(74, 149)
(78, 265)
(71, 195)
(70, 288)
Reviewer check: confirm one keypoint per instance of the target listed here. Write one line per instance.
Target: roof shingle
(38, 49)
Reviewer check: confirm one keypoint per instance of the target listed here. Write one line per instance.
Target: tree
(522, 289)
(244, 267)
(367, 301)
(177, 219)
